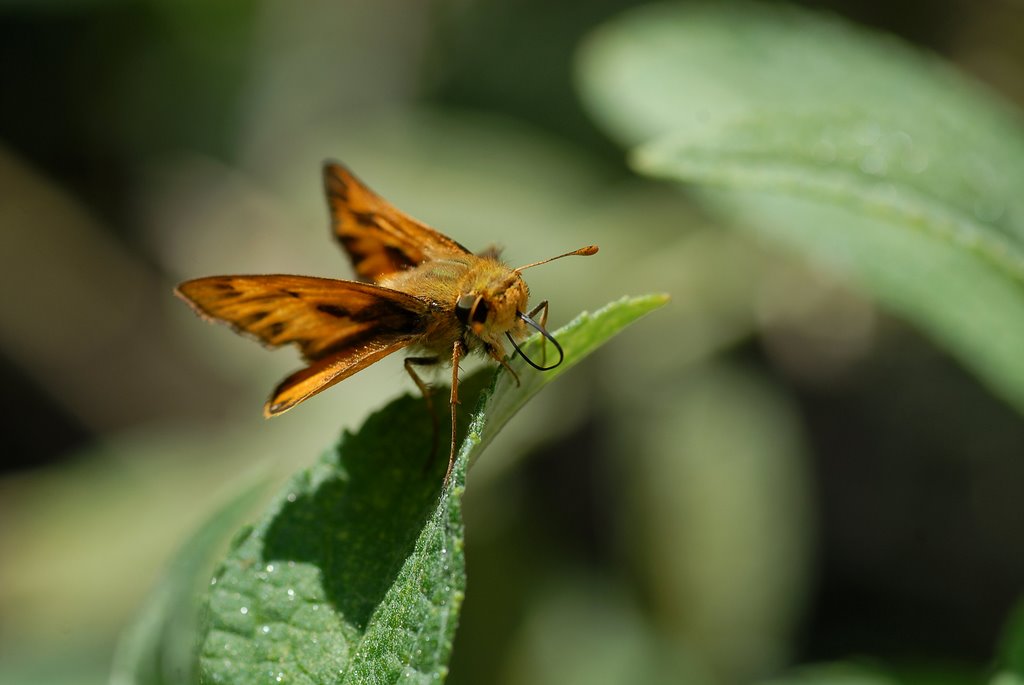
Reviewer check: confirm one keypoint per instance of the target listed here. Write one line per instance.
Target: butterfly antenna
(582, 252)
(540, 329)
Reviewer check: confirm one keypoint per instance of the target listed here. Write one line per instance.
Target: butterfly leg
(410, 362)
(508, 367)
(543, 324)
(457, 353)
(543, 317)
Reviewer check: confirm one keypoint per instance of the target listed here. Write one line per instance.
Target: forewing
(322, 316)
(378, 238)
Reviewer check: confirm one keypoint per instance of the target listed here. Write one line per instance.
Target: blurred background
(759, 475)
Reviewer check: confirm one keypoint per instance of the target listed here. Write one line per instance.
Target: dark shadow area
(37, 430)
(918, 479)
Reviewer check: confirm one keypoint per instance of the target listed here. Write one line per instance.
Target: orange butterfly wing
(378, 238)
(340, 326)
(332, 369)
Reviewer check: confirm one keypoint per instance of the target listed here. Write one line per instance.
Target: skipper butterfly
(417, 289)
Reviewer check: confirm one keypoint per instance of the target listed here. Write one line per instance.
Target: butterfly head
(491, 308)
(496, 304)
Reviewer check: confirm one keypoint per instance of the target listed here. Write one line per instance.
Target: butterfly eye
(464, 307)
(479, 314)
(471, 309)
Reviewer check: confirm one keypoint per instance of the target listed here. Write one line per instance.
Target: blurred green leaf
(584, 630)
(356, 572)
(843, 145)
(662, 68)
(919, 175)
(972, 309)
(721, 528)
(1007, 678)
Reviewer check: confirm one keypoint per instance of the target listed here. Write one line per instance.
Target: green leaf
(663, 68)
(1007, 678)
(879, 161)
(923, 177)
(356, 573)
